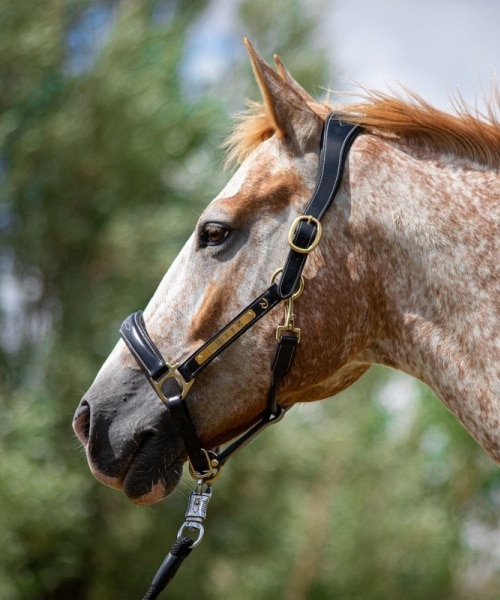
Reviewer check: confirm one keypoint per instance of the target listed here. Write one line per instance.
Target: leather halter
(305, 234)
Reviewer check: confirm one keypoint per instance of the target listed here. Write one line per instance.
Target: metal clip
(290, 316)
(289, 324)
(196, 513)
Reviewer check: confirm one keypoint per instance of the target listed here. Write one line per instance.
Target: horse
(403, 271)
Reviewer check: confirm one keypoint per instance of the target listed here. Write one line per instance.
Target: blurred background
(112, 114)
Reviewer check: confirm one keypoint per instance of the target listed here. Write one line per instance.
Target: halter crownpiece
(304, 235)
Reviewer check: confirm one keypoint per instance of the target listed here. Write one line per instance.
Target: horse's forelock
(252, 127)
(255, 125)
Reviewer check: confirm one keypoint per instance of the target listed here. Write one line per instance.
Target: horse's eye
(213, 234)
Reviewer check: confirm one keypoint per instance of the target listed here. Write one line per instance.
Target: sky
(434, 47)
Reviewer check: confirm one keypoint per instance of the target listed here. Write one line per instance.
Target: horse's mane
(468, 133)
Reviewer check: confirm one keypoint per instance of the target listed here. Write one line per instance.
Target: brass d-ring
(214, 468)
(275, 274)
(296, 294)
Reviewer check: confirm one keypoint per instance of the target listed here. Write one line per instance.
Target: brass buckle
(293, 229)
(172, 373)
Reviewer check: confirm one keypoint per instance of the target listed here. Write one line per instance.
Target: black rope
(181, 548)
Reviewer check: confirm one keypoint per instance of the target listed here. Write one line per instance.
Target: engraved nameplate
(224, 336)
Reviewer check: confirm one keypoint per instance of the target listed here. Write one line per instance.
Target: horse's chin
(149, 484)
(148, 479)
(143, 491)
(157, 493)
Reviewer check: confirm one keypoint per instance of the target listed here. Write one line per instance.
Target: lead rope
(188, 537)
(192, 530)
(168, 569)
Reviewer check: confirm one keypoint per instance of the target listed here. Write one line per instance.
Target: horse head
(239, 242)
(405, 275)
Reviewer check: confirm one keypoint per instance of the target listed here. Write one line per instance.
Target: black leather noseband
(304, 235)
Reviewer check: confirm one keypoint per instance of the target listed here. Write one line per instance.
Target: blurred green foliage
(105, 165)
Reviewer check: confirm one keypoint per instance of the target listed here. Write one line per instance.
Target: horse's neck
(435, 268)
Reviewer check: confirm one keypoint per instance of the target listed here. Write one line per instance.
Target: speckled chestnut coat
(406, 275)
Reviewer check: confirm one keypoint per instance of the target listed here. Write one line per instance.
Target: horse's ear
(286, 103)
(285, 75)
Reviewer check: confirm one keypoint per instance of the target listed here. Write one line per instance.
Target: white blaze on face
(269, 155)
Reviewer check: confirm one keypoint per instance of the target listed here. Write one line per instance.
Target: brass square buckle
(293, 230)
(172, 373)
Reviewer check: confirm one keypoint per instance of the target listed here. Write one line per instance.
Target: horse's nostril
(81, 422)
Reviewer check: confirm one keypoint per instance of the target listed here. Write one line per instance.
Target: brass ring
(296, 294)
(214, 465)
